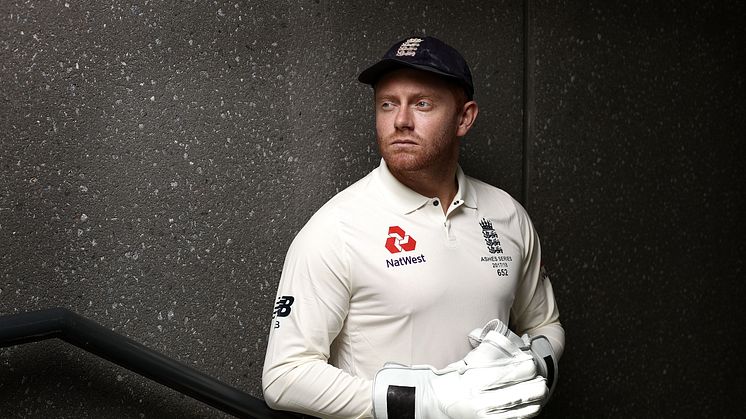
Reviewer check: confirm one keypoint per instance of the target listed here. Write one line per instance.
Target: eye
(387, 105)
(424, 104)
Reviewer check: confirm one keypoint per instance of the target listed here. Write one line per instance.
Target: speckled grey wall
(157, 158)
(637, 186)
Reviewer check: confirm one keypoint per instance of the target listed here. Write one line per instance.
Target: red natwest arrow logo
(399, 241)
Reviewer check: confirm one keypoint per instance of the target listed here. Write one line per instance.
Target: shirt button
(435, 203)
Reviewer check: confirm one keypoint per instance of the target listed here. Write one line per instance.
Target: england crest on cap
(409, 47)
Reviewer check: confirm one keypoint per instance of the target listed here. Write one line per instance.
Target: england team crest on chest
(500, 261)
(490, 236)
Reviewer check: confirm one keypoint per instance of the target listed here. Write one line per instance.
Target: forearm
(318, 389)
(555, 333)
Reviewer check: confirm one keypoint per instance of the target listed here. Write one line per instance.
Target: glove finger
(489, 378)
(475, 337)
(506, 375)
(495, 324)
(515, 400)
(529, 411)
(496, 346)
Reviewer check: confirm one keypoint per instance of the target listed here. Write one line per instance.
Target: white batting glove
(538, 346)
(496, 380)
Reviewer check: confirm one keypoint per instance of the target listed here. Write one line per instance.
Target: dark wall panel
(137, 154)
(157, 158)
(638, 192)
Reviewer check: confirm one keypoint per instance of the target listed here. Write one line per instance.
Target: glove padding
(496, 380)
(538, 346)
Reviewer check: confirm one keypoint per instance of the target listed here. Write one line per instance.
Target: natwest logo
(399, 241)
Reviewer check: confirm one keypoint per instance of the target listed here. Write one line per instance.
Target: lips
(403, 142)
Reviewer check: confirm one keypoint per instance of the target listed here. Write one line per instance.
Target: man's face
(417, 120)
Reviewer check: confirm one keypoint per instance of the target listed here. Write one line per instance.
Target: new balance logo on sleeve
(282, 308)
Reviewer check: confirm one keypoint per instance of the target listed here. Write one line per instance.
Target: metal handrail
(63, 324)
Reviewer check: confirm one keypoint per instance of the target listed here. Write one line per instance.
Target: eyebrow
(417, 94)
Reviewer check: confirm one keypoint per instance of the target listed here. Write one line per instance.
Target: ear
(467, 117)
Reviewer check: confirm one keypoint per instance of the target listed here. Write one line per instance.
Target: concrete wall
(637, 186)
(157, 158)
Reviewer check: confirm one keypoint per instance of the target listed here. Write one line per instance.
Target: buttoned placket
(436, 212)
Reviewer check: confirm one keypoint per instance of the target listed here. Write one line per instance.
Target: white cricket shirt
(380, 274)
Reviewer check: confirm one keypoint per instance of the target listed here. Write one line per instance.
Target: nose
(404, 120)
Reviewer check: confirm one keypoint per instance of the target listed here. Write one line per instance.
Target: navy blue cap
(423, 53)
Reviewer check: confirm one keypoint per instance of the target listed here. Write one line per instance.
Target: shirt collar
(465, 189)
(406, 200)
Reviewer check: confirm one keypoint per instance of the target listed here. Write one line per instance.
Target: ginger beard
(412, 153)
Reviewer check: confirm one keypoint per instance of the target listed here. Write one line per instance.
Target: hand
(496, 380)
(538, 346)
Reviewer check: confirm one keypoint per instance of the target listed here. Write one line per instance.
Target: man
(404, 264)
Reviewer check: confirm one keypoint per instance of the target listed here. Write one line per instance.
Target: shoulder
(498, 205)
(344, 207)
(345, 204)
(494, 200)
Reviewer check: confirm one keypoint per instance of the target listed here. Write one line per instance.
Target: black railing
(77, 330)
